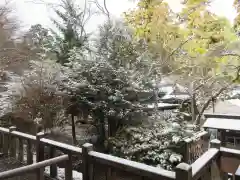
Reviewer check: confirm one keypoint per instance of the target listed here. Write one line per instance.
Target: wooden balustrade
(13, 142)
(34, 167)
(132, 167)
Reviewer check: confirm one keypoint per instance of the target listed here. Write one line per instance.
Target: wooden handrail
(232, 153)
(18, 134)
(49, 142)
(131, 166)
(204, 162)
(24, 135)
(192, 172)
(32, 167)
(4, 130)
(60, 145)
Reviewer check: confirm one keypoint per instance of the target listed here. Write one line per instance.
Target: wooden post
(183, 172)
(12, 141)
(215, 143)
(5, 144)
(29, 152)
(187, 144)
(20, 149)
(223, 137)
(53, 167)
(215, 166)
(39, 147)
(213, 105)
(68, 167)
(86, 164)
(40, 155)
(237, 173)
(1, 143)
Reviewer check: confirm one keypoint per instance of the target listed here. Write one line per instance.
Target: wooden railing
(12, 144)
(35, 167)
(99, 166)
(193, 149)
(118, 168)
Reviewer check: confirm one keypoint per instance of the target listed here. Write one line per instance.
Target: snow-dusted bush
(39, 100)
(155, 143)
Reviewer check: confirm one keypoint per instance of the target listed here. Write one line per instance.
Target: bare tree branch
(205, 106)
(103, 9)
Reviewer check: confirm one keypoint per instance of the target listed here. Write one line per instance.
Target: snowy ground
(61, 173)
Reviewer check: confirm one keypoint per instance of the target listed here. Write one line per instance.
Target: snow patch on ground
(61, 173)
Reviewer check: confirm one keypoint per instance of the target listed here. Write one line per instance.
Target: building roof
(231, 106)
(222, 123)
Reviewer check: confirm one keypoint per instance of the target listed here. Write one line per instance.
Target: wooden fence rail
(37, 166)
(99, 166)
(12, 144)
(134, 168)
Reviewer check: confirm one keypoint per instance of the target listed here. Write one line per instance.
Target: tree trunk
(193, 107)
(156, 103)
(102, 131)
(74, 139)
(100, 119)
(205, 106)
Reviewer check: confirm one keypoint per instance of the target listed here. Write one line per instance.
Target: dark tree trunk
(112, 127)
(73, 130)
(102, 131)
(99, 117)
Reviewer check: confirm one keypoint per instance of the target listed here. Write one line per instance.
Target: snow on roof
(179, 96)
(221, 123)
(162, 105)
(226, 107)
(234, 101)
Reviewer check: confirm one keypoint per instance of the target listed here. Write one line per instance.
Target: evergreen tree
(72, 30)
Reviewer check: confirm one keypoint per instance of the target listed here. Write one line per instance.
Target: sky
(30, 12)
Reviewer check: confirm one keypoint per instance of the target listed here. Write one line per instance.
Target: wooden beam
(32, 167)
(131, 166)
(183, 171)
(61, 146)
(222, 116)
(231, 153)
(204, 162)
